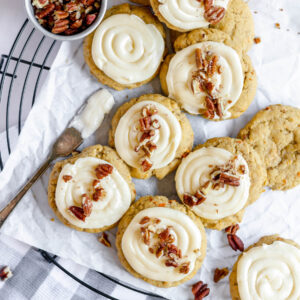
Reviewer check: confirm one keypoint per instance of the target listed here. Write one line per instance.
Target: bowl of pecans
(66, 20)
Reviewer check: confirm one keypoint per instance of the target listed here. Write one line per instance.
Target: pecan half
(103, 170)
(200, 290)
(214, 14)
(235, 242)
(5, 273)
(220, 274)
(87, 205)
(164, 235)
(232, 229)
(77, 212)
(103, 239)
(191, 200)
(45, 11)
(67, 178)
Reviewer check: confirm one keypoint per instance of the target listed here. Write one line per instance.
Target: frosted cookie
(92, 190)
(151, 135)
(208, 76)
(161, 241)
(233, 17)
(274, 133)
(127, 48)
(269, 269)
(218, 179)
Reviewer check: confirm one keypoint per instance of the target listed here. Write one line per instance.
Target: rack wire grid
(23, 76)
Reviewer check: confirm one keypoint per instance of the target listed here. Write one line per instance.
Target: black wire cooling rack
(26, 84)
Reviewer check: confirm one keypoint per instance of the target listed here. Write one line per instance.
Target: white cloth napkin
(277, 62)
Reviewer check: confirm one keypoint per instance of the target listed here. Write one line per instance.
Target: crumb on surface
(257, 40)
(281, 9)
(52, 219)
(255, 12)
(277, 25)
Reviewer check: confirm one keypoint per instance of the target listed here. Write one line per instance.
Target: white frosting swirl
(228, 84)
(270, 272)
(186, 14)
(105, 211)
(127, 49)
(167, 137)
(187, 238)
(194, 171)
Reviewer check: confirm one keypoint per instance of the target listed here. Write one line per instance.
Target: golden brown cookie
(185, 144)
(161, 212)
(143, 13)
(143, 2)
(274, 133)
(264, 275)
(101, 152)
(206, 166)
(237, 23)
(213, 35)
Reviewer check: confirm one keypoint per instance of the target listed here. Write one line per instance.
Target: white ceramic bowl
(77, 36)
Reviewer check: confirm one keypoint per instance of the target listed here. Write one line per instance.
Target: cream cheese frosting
(127, 49)
(194, 171)
(187, 238)
(167, 138)
(228, 84)
(106, 211)
(269, 272)
(186, 14)
(91, 117)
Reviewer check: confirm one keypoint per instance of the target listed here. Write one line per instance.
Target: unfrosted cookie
(127, 48)
(209, 76)
(92, 190)
(151, 135)
(274, 133)
(161, 241)
(218, 179)
(233, 17)
(269, 269)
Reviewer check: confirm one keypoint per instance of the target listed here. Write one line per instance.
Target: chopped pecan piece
(103, 239)
(212, 66)
(235, 242)
(220, 274)
(87, 205)
(98, 194)
(159, 251)
(199, 59)
(184, 268)
(67, 178)
(164, 234)
(146, 165)
(5, 273)
(229, 180)
(145, 220)
(145, 123)
(171, 263)
(146, 235)
(77, 212)
(103, 170)
(191, 200)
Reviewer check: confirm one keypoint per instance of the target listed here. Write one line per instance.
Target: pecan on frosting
(161, 243)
